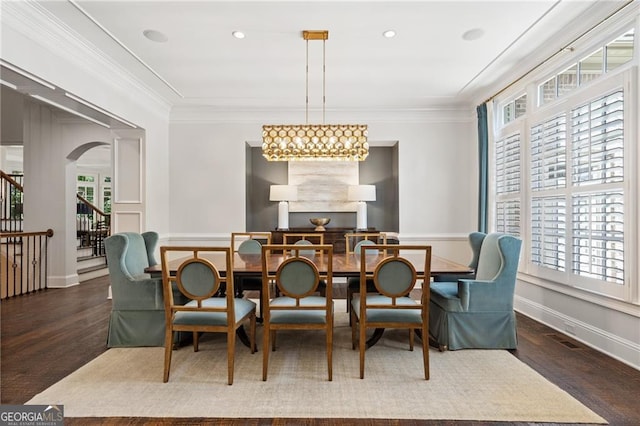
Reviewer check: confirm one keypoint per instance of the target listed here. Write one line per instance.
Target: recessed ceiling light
(389, 34)
(238, 34)
(156, 36)
(473, 34)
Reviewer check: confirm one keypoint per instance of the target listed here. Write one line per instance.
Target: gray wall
(379, 169)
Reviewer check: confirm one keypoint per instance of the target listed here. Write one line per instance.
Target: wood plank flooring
(47, 335)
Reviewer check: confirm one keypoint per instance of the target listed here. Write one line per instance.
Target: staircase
(89, 265)
(92, 226)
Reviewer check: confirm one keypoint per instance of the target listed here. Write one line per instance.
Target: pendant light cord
(324, 91)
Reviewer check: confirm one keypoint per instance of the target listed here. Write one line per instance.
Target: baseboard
(610, 344)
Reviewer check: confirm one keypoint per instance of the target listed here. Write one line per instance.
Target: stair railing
(23, 262)
(92, 226)
(11, 199)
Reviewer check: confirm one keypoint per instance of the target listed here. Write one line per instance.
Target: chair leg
(231, 350)
(411, 339)
(252, 332)
(196, 341)
(425, 350)
(330, 351)
(260, 319)
(168, 347)
(353, 320)
(363, 346)
(265, 351)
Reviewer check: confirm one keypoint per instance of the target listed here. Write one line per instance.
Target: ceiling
(428, 63)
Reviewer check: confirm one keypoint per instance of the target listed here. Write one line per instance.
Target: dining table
(343, 265)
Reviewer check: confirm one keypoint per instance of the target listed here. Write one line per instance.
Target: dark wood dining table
(344, 265)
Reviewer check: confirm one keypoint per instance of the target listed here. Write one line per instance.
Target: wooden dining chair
(391, 306)
(312, 237)
(294, 303)
(199, 280)
(249, 243)
(354, 241)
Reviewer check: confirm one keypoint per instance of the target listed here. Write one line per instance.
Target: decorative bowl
(319, 222)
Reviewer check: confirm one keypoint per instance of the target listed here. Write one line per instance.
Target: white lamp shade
(361, 193)
(283, 193)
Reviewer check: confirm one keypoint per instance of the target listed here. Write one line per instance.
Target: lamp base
(283, 216)
(361, 216)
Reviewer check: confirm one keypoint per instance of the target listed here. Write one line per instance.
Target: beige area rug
(490, 385)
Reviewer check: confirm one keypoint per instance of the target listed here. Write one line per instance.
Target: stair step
(86, 274)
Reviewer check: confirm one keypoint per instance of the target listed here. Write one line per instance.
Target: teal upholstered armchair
(137, 314)
(478, 313)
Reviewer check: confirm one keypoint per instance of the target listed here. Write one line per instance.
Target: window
(508, 165)
(548, 154)
(597, 152)
(548, 172)
(577, 192)
(591, 67)
(514, 109)
(620, 50)
(614, 54)
(548, 232)
(507, 172)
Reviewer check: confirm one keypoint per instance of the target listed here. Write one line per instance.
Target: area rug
(485, 385)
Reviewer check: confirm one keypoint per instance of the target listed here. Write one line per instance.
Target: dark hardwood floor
(47, 335)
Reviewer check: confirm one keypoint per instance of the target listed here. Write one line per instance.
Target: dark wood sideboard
(334, 236)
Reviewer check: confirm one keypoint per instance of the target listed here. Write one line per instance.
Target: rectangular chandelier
(316, 142)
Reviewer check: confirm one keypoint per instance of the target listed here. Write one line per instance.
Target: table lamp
(361, 194)
(284, 194)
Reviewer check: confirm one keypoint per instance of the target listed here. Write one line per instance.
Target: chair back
(354, 240)
(130, 253)
(197, 277)
(499, 255)
(250, 247)
(306, 253)
(396, 275)
(475, 241)
(251, 242)
(299, 276)
(358, 247)
(294, 237)
(304, 239)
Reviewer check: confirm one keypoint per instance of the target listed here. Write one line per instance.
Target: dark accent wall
(379, 169)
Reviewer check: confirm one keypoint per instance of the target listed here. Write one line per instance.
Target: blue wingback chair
(478, 313)
(137, 313)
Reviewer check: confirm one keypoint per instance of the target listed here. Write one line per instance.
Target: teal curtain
(483, 158)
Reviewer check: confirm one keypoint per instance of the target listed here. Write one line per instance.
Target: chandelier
(287, 142)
